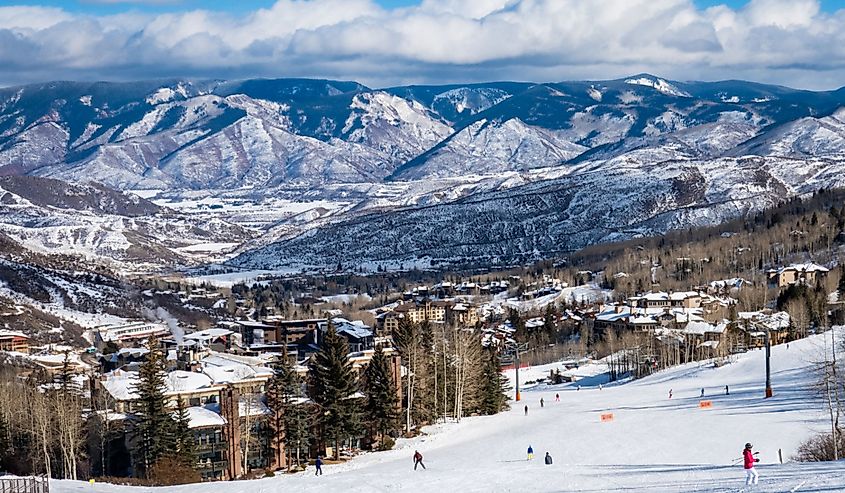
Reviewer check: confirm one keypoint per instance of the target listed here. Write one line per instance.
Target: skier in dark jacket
(526, 409)
(530, 453)
(541, 402)
(548, 459)
(418, 460)
(319, 464)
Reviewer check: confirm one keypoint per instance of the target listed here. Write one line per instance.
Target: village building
(808, 273)
(435, 311)
(14, 341)
(123, 333)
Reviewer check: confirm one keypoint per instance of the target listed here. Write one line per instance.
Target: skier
(526, 409)
(599, 386)
(530, 453)
(319, 464)
(702, 392)
(557, 397)
(579, 388)
(541, 402)
(418, 460)
(670, 393)
(548, 459)
(749, 460)
(727, 392)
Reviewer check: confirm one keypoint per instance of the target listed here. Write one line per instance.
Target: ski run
(652, 444)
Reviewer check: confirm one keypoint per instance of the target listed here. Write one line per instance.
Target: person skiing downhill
(548, 459)
(702, 392)
(319, 464)
(727, 391)
(557, 397)
(526, 409)
(749, 460)
(670, 393)
(530, 453)
(541, 402)
(418, 460)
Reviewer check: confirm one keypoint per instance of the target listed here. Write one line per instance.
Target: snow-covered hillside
(493, 172)
(653, 443)
(486, 148)
(95, 224)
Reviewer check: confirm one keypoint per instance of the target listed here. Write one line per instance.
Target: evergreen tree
(494, 385)
(381, 407)
(518, 325)
(550, 324)
(290, 421)
(64, 378)
(154, 425)
(333, 385)
(183, 436)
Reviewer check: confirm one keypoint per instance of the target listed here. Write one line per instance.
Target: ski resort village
(434, 246)
(283, 379)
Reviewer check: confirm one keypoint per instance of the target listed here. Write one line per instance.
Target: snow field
(654, 444)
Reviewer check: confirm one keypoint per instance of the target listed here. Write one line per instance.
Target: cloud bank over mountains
(790, 42)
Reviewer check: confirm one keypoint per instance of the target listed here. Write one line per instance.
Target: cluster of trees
(796, 230)
(42, 430)
(164, 442)
(449, 374)
(830, 387)
(342, 407)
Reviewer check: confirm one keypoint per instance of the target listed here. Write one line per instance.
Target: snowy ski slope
(654, 444)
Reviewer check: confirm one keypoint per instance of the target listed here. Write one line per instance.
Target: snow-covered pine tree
(153, 428)
(381, 405)
(333, 385)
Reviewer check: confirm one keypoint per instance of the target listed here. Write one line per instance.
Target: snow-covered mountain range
(316, 172)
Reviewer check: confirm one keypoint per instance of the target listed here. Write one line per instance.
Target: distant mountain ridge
(555, 165)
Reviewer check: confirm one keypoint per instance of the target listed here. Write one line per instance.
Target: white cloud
(783, 41)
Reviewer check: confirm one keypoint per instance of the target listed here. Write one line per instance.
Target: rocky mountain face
(430, 175)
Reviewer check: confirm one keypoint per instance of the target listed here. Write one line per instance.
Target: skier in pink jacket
(749, 460)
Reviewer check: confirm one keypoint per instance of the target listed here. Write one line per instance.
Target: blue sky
(799, 43)
(99, 7)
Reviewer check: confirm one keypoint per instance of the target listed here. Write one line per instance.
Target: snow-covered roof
(9, 333)
(228, 368)
(179, 381)
(121, 384)
(699, 327)
(133, 352)
(614, 313)
(356, 329)
(251, 405)
(208, 334)
(807, 267)
(203, 417)
(735, 282)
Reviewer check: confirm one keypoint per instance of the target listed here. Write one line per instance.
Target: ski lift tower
(768, 341)
(515, 348)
